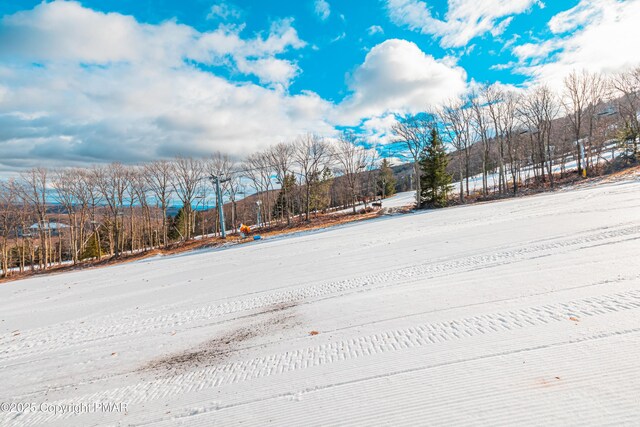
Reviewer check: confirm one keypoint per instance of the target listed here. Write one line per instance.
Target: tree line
(526, 134)
(51, 216)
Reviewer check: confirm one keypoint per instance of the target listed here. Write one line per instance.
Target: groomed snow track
(524, 311)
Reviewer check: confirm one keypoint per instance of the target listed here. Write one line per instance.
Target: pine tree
(283, 203)
(178, 226)
(386, 180)
(320, 187)
(91, 249)
(628, 141)
(435, 181)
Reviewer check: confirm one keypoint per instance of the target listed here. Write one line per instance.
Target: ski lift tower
(216, 181)
(258, 204)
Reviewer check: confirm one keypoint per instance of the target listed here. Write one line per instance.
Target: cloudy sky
(133, 80)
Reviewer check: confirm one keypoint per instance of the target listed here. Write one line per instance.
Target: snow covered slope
(404, 199)
(525, 311)
(407, 198)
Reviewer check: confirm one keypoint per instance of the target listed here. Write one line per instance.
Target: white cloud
(322, 9)
(534, 51)
(224, 11)
(397, 76)
(70, 95)
(375, 29)
(569, 20)
(501, 27)
(133, 113)
(255, 56)
(66, 31)
(463, 21)
(106, 87)
(594, 35)
(377, 130)
(269, 70)
(339, 37)
(499, 67)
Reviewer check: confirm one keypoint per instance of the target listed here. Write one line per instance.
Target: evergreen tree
(282, 207)
(178, 226)
(91, 248)
(628, 138)
(386, 180)
(320, 190)
(435, 181)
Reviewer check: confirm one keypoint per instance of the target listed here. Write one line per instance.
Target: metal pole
(258, 205)
(223, 232)
(582, 164)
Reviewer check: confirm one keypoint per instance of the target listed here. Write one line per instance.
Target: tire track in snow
(187, 413)
(69, 334)
(324, 354)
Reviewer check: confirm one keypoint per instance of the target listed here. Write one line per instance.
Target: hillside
(496, 313)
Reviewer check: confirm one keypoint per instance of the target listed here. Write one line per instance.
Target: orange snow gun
(245, 229)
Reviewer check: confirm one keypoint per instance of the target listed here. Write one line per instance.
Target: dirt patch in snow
(399, 210)
(218, 350)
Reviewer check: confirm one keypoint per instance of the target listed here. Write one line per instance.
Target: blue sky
(339, 43)
(96, 81)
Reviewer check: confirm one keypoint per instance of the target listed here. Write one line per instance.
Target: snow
(406, 198)
(609, 152)
(524, 311)
(399, 200)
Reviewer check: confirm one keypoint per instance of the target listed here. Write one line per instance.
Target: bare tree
(281, 159)
(413, 132)
(257, 171)
(494, 98)
(627, 86)
(539, 109)
(580, 90)
(454, 116)
(605, 130)
(480, 122)
(64, 185)
(189, 173)
(34, 192)
(81, 193)
(311, 155)
(262, 164)
(509, 116)
(352, 159)
(370, 159)
(112, 181)
(219, 165)
(159, 175)
(140, 190)
(235, 187)
(89, 193)
(9, 223)
(597, 88)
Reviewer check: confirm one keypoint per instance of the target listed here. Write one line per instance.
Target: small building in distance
(53, 228)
